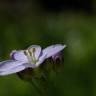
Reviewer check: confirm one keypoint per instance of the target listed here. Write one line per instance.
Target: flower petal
(11, 54)
(37, 50)
(19, 55)
(41, 60)
(13, 70)
(27, 65)
(9, 64)
(56, 56)
(53, 49)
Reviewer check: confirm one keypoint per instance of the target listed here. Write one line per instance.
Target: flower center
(30, 53)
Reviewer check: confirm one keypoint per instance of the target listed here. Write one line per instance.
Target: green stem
(39, 88)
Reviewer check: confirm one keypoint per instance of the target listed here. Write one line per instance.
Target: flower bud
(57, 61)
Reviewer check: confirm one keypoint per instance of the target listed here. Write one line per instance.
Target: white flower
(29, 58)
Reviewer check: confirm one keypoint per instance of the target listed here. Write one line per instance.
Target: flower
(32, 57)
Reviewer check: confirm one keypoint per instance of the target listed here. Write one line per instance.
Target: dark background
(46, 22)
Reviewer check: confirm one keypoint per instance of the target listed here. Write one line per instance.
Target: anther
(33, 50)
(25, 52)
(30, 53)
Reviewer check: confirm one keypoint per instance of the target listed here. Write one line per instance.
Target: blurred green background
(23, 23)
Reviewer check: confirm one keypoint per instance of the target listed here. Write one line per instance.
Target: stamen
(33, 50)
(25, 52)
(30, 53)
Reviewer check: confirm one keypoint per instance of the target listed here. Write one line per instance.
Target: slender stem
(39, 88)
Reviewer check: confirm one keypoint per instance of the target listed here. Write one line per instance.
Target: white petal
(37, 50)
(19, 55)
(9, 64)
(13, 70)
(53, 49)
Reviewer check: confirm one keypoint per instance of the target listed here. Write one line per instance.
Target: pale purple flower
(32, 57)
